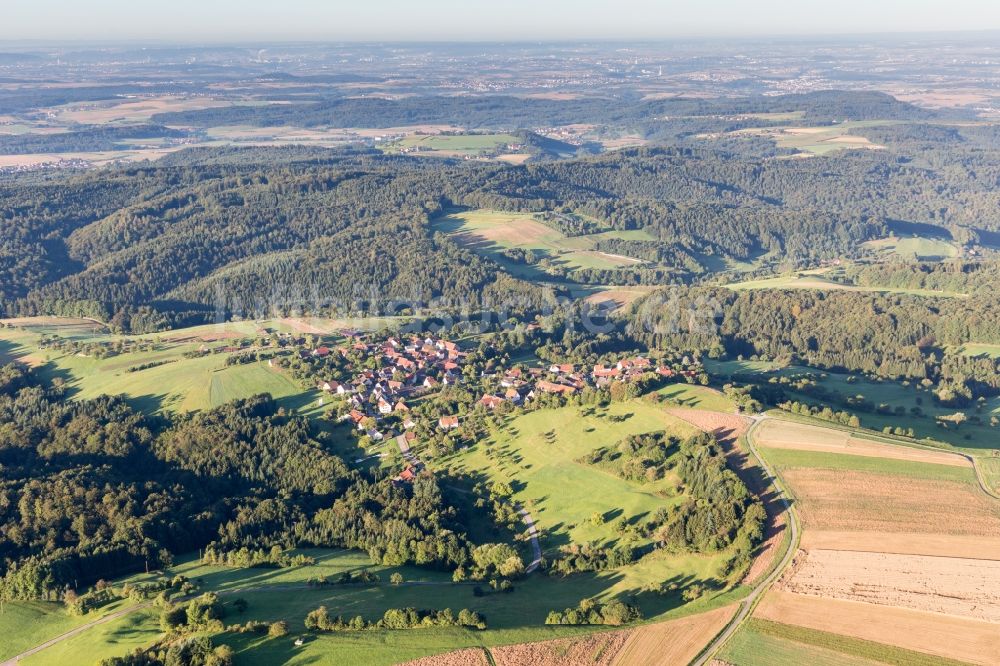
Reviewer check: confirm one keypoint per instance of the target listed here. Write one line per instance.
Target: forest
(92, 490)
(206, 233)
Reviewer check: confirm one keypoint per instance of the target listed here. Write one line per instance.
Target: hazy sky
(418, 20)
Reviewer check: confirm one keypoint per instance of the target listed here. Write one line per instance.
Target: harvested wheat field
(779, 434)
(467, 657)
(515, 158)
(951, 585)
(904, 543)
(619, 296)
(593, 650)
(965, 639)
(675, 641)
(846, 500)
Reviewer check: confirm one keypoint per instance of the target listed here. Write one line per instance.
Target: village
(381, 380)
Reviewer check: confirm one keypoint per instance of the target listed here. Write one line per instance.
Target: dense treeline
(719, 509)
(504, 112)
(891, 336)
(92, 490)
(247, 231)
(96, 138)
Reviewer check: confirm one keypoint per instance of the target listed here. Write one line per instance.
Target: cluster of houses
(408, 367)
(567, 379)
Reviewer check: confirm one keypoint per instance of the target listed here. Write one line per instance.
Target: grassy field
(536, 453)
(491, 232)
(969, 437)
(980, 349)
(818, 140)
(915, 248)
(274, 594)
(975, 438)
(725, 369)
(451, 145)
(178, 384)
(785, 459)
(806, 281)
(700, 397)
(990, 467)
(25, 624)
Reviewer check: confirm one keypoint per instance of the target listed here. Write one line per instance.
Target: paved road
(747, 605)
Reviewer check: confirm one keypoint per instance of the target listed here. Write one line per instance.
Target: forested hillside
(170, 242)
(92, 490)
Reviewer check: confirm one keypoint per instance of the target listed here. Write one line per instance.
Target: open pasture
(537, 452)
(274, 594)
(803, 280)
(904, 405)
(816, 140)
(178, 381)
(915, 248)
(25, 624)
(451, 145)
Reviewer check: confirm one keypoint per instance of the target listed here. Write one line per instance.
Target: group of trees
(718, 510)
(395, 618)
(638, 458)
(590, 611)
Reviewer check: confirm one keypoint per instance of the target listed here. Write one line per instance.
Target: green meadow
(971, 437)
(802, 280)
(795, 459)
(490, 232)
(25, 624)
(281, 594)
(176, 383)
(449, 145)
(696, 396)
(915, 248)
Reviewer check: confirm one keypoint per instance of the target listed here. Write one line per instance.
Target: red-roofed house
(491, 402)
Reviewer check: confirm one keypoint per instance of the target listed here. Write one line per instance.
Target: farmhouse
(551, 387)
(448, 422)
(491, 402)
